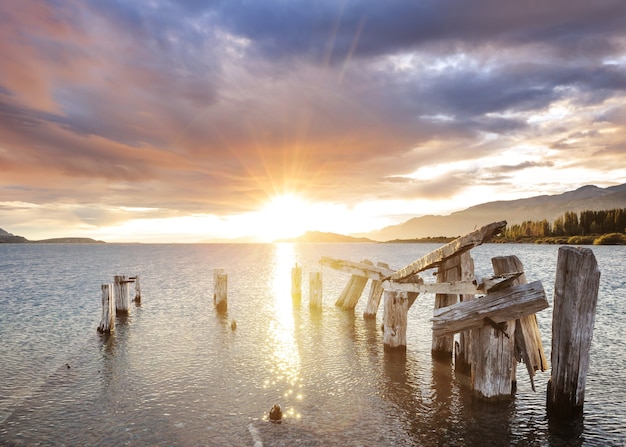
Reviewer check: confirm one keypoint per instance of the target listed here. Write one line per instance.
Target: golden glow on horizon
(285, 216)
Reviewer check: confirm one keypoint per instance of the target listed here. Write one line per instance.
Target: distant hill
(537, 208)
(8, 238)
(316, 236)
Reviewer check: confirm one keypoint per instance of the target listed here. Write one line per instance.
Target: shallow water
(175, 373)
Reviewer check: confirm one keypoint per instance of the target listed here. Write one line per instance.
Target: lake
(175, 373)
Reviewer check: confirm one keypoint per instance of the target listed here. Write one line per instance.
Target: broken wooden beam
(504, 305)
(469, 287)
(363, 269)
(449, 250)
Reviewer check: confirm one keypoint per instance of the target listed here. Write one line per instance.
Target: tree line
(586, 223)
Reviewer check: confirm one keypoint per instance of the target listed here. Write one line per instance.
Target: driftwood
(501, 306)
(457, 246)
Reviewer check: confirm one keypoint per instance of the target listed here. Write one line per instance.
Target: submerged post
(394, 320)
(107, 323)
(575, 298)
(137, 290)
(296, 283)
(121, 294)
(220, 286)
(315, 290)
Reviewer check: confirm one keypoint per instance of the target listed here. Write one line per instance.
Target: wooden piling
(463, 350)
(353, 290)
(448, 271)
(575, 298)
(107, 323)
(121, 294)
(376, 292)
(315, 290)
(137, 290)
(396, 308)
(296, 283)
(220, 285)
(528, 346)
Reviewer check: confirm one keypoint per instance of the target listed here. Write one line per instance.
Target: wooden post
(376, 292)
(575, 298)
(448, 271)
(220, 295)
(463, 350)
(528, 346)
(315, 290)
(107, 323)
(395, 320)
(121, 294)
(137, 290)
(296, 283)
(354, 289)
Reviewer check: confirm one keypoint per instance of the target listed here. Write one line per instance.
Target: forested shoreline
(606, 227)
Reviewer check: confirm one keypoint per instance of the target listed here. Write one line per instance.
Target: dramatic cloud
(211, 107)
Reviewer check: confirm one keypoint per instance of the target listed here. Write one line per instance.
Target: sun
(285, 216)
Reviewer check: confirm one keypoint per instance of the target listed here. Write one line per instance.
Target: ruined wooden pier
(494, 316)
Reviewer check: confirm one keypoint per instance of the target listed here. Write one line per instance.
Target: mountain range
(537, 208)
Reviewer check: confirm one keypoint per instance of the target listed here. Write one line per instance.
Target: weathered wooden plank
(504, 305)
(575, 298)
(466, 287)
(449, 250)
(357, 268)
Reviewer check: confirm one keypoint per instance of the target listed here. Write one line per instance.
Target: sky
(189, 120)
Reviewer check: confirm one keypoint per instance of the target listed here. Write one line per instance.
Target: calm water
(175, 373)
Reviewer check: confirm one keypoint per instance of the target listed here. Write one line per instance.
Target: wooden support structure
(575, 298)
(448, 271)
(296, 283)
(376, 292)
(315, 290)
(396, 308)
(454, 248)
(220, 286)
(121, 294)
(365, 269)
(463, 349)
(528, 346)
(499, 307)
(137, 288)
(107, 323)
